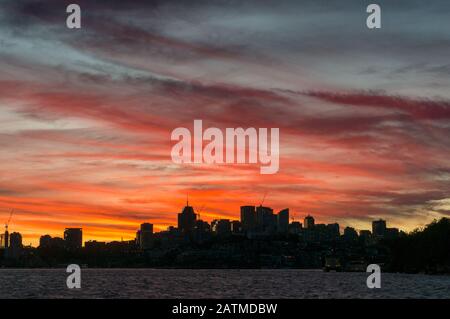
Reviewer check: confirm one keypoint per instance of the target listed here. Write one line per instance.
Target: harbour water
(184, 284)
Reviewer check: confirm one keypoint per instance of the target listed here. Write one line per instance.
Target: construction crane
(264, 198)
(200, 210)
(9, 219)
(5, 236)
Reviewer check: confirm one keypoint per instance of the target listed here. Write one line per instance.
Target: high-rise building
(379, 228)
(146, 236)
(248, 217)
(186, 219)
(266, 221)
(308, 222)
(283, 221)
(15, 241)
(15, 245)
(73, 238)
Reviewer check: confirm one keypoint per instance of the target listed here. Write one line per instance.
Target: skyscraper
(308, 223)
(379, 228)
(265, 219)
(283, 220)
(146, 236)
(186, 219)
(248, 217)
(73, 238)
(15, 241)
(15, 245)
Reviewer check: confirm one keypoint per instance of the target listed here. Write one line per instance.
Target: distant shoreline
(210, 269)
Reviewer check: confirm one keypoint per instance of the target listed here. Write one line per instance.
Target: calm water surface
(157, 283)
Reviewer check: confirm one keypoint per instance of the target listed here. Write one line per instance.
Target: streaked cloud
(86, 115)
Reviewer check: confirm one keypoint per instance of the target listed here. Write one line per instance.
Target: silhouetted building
(221, 226)
(94, 245)
(365, 236)
(333, 231)
(283, 221)
(379, 228)
(15, 241)
(146, 236)
(45, 241)
(391, 233)
(120, 246)
(365, 233)
(15, 246)
(266, 221)
(236, 227)
(316, 234)
(202, 226)
(186, 219)
(308, 223)
(295, 228)
(6, 239)
(201, 232)
(322, 233)
(350, 234)
(248, 217)
(73, 238)
(138, 238)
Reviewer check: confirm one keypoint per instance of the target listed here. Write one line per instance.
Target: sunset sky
(86, 115)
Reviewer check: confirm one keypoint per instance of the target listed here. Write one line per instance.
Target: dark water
(157, 283)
